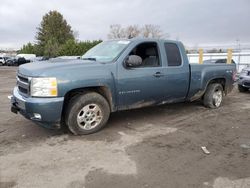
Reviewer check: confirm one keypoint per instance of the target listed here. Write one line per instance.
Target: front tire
(87, 113)
(242, 88)
(213, 96)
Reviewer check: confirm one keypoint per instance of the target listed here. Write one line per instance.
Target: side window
(149, 53)
(173, 54)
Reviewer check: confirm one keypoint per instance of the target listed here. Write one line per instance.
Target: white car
(244, 80)
(2, 61)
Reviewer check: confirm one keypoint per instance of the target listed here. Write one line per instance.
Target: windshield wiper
(89, 58)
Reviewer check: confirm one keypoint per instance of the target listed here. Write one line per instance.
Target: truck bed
(202, 74)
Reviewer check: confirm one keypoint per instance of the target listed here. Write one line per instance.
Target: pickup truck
(112, 76)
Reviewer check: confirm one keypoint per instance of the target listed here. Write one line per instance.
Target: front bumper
(244, 81)
(43, 111)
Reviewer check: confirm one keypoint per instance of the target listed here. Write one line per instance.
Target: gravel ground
(151, 147)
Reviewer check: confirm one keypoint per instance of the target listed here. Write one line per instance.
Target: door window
(149, 54)
(173, 54)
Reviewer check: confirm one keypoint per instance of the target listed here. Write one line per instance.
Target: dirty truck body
(115, 75)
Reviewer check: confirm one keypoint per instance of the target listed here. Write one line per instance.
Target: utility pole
(239, 50)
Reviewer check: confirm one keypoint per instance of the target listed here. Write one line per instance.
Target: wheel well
(102, 90)
(221, 81)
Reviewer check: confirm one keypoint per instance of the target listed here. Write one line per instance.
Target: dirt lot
(153, 147)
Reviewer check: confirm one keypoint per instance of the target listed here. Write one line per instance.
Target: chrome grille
(23, 85)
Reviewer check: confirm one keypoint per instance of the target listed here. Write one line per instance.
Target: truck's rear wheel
(242, 88)
(213, 96)
(87, 113)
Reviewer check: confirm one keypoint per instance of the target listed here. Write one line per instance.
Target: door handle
(158, 74)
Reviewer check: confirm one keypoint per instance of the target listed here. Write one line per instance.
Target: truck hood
(47, 68)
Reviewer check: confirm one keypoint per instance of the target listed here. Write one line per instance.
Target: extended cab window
(149, 53)
(173, 54)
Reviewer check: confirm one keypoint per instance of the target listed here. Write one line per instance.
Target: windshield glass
(106, 51)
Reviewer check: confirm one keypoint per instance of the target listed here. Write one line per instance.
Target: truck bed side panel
(202, 74)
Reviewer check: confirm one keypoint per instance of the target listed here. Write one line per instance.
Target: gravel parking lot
(152, 147)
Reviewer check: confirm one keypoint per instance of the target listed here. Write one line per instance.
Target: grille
(23, 85)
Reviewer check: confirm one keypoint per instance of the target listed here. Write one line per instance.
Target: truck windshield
(106, 51)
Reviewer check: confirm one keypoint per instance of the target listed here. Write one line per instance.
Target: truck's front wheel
(213, 96)
(87, 113)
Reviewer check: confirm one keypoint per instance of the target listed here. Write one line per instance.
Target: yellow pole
(229, 56)
(200, 56)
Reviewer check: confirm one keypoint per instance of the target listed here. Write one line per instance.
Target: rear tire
(242, 88)
(87, 113)
(213, 96)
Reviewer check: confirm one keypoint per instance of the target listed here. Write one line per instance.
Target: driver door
(141, 85)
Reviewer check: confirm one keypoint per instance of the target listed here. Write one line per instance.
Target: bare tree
(152, 31)
(116, 31)
(131, 31)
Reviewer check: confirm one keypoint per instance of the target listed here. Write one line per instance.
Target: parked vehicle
(244, 80)
(2, 61)
(116, 75)
(21, 60)
(64, 58)
(216, 61)
(29, 57)
(11, 62)
(69, 57)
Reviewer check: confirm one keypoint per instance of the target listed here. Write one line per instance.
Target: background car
(2, 61)
(215, 61)
(244, 80)
(22, 60)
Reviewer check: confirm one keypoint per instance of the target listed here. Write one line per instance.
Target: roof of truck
(144, 39)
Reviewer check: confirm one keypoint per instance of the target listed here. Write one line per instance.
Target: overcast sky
(195, 22)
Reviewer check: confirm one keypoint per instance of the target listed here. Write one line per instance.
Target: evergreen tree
(53, 32)
(27, 49)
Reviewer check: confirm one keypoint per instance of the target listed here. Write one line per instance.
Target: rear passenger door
(176, 71)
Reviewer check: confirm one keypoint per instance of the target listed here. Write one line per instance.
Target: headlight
(43, 87)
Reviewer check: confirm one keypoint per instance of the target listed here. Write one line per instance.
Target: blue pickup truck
(112, 76)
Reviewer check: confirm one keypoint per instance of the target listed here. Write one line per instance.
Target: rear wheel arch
(221, 81)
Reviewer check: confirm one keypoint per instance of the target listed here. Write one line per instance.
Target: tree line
(69, 48)
(55, 37)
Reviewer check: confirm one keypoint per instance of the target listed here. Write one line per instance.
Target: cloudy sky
(195, 22)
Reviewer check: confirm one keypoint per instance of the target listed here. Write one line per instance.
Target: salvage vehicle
(244, 80)
(216, 61)
(11, 62)
(112, 76)
(2, 61)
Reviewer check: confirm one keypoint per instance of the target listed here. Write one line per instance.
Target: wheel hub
(217, 98)
(89, 116)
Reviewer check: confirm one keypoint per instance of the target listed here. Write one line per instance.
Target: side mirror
(133, 61)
